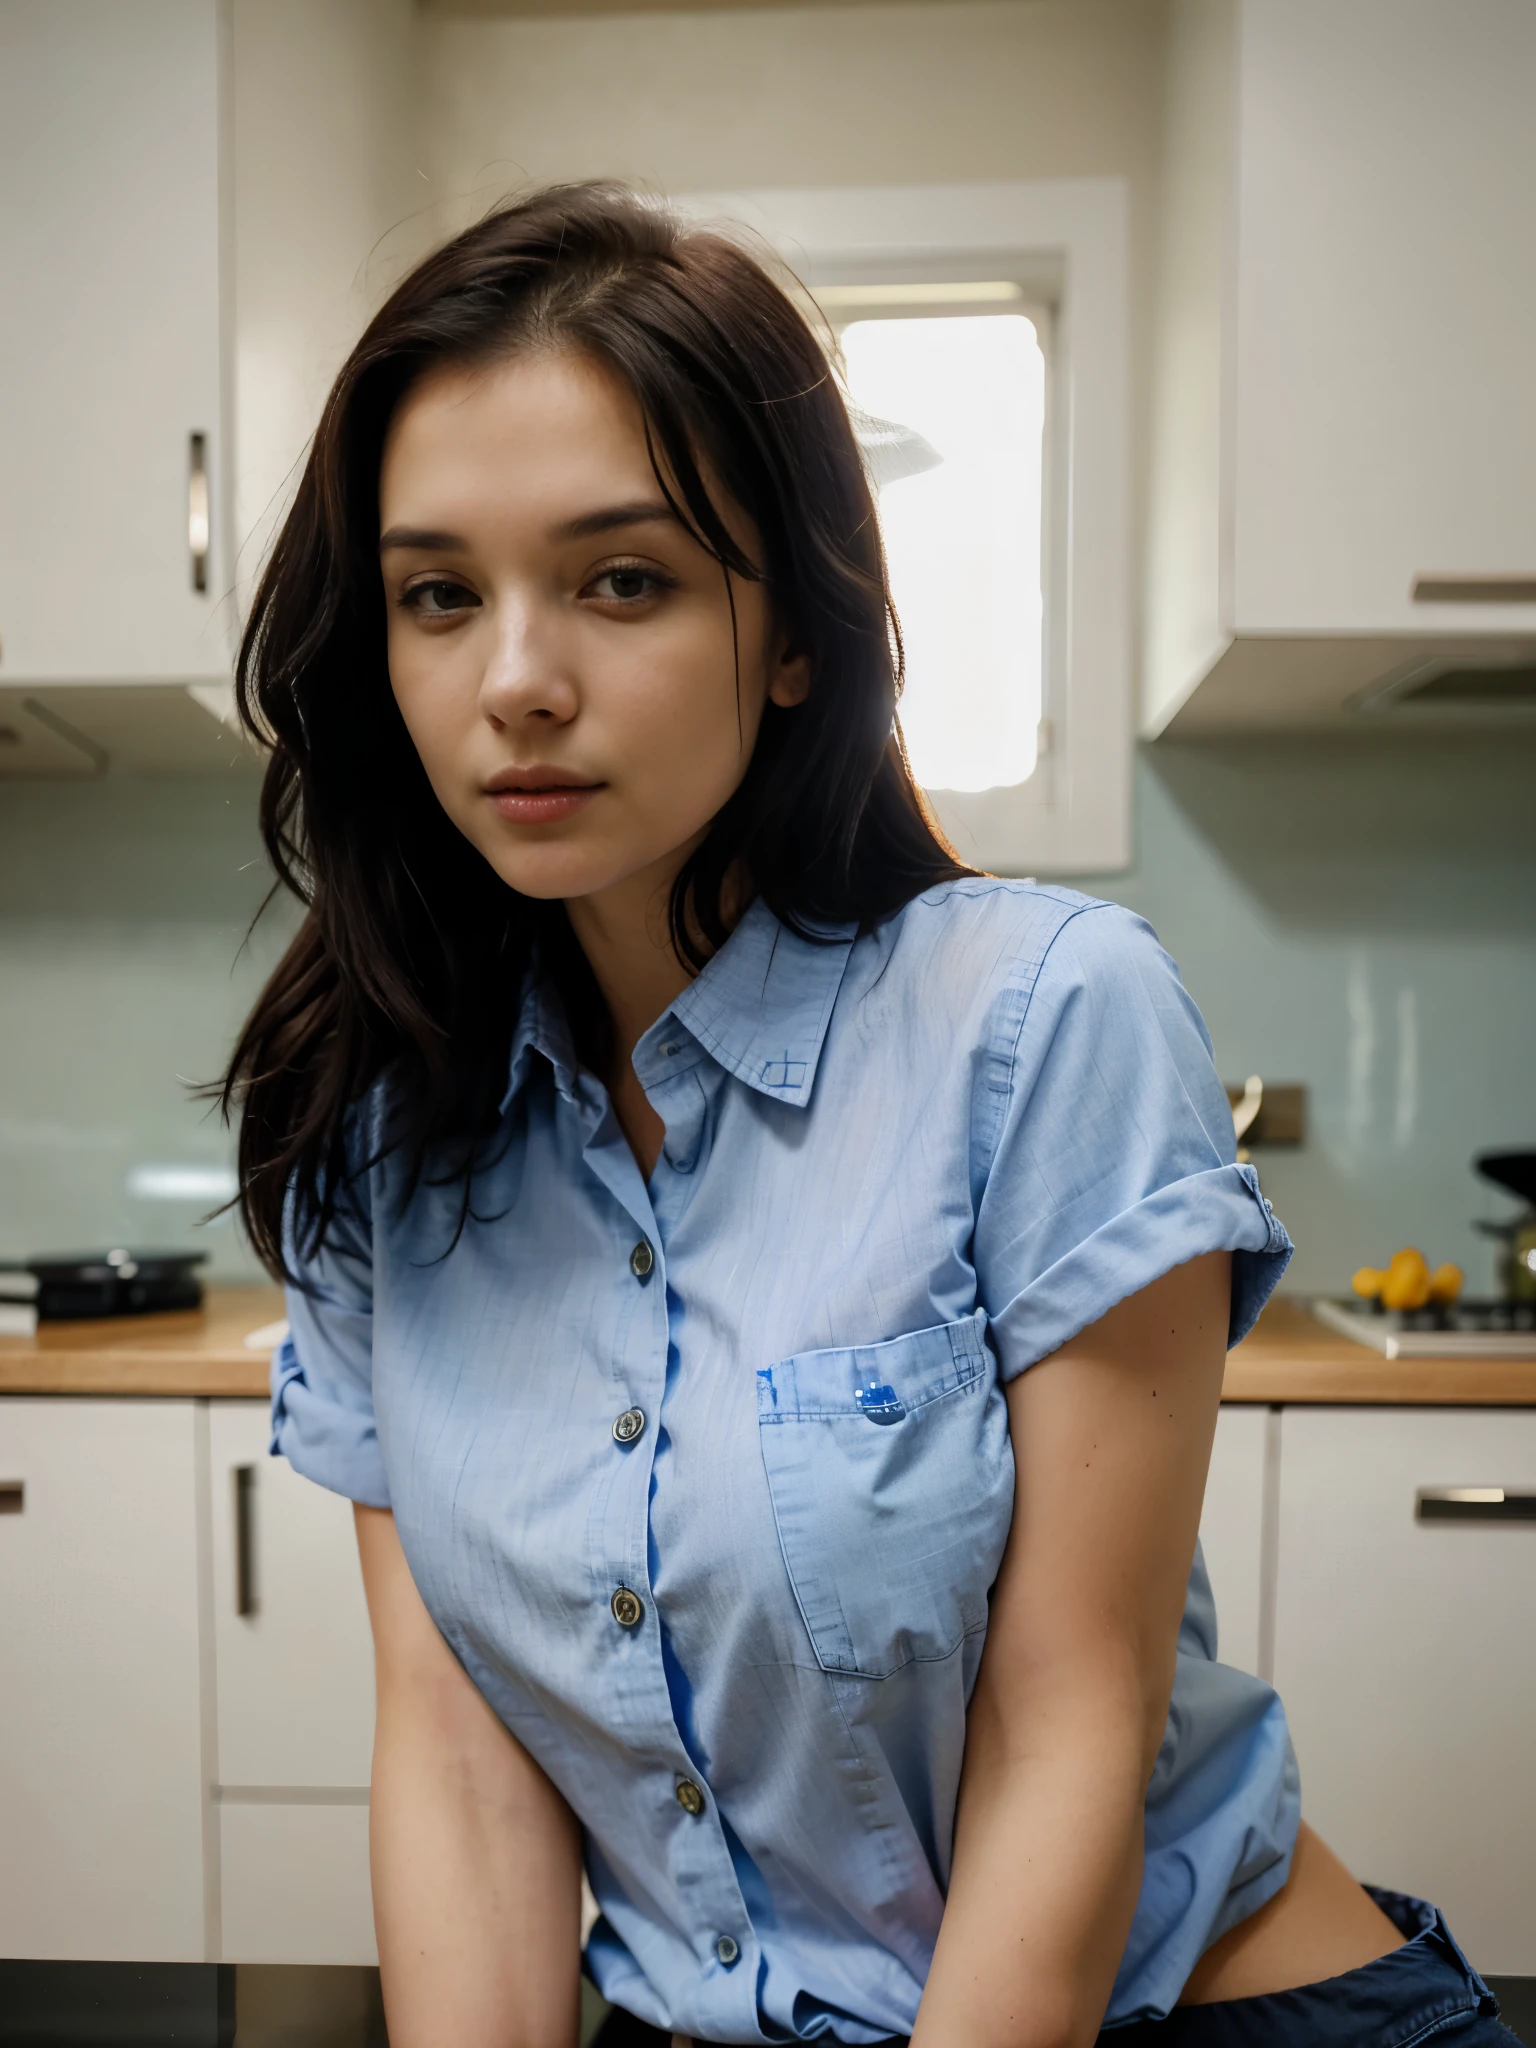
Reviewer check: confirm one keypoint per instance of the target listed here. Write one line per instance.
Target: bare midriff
(1321, 1923)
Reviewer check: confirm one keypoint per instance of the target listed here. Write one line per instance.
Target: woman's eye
(626, 585)
(436, 600)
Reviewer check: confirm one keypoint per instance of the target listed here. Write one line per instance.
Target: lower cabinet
(1232, 1530)
(1405, 1652)
(186, 1672)
(104, 1721)
(293, 1659)
(295, 1883)
(186, 1692)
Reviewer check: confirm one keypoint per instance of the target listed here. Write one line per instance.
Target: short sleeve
(1114, 1159)
(322, 1373)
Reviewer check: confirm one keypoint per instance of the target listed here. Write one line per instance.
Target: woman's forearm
(476, 1858)
(476, 1891)
(1047, 1865)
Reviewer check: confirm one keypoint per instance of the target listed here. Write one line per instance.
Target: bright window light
(962, 539)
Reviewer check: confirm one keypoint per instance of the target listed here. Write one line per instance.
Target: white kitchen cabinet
(112, 402)
(1405, 1652)
(1232, 1530)
(1343, 405)
(102, 1752)
(295, 1672)
(295, 1884)
(294, 1675)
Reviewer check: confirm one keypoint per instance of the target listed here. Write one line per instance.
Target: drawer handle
(197, 508)
(1473, 1504)
(1474, 589)
(13, 1496)
(245, 1539)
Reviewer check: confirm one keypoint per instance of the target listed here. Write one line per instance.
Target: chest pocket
(892, 1482)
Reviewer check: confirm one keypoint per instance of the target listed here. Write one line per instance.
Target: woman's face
(561, 650)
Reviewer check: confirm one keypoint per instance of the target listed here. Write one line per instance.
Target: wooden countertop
(199, 1352)
(1290, 1357)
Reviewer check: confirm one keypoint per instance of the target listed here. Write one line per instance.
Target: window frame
(1064, 242)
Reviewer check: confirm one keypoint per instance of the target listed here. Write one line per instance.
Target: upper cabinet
(1343, 491)
(114, 546)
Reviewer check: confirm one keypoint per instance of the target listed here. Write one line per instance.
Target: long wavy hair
(413, 952)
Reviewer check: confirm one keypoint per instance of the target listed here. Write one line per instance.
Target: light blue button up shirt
(898, 1169)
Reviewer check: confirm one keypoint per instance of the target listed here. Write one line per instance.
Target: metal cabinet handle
(197, 508)
(1474, 590)
(1473, 1504)
(245, 1539)
(13, 1496)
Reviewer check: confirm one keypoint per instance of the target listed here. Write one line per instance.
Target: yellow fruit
(1407, 1283)
(1445, 1283)
(1368, 1282)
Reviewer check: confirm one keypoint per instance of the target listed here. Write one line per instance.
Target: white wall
(803, 96)
(865, 95)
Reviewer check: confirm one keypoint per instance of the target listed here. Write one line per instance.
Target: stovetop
(1465, 1329)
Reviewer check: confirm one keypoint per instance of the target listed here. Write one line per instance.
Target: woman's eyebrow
(435, 541)
(429, 539)
(647, 512)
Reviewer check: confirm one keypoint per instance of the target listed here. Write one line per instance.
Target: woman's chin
(557, 875)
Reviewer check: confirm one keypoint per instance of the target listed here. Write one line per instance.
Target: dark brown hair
(413, 952)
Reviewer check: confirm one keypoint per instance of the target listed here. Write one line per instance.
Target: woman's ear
(791, 683)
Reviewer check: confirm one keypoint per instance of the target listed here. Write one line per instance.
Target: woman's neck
(626, 934)
(629, 948)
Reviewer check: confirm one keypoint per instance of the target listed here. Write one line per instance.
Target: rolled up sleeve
(1115, 1159)
(322, 1373)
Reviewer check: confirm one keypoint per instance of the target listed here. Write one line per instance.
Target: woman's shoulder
(998, 939)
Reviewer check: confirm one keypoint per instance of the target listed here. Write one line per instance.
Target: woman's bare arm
(476, 1857)
(1111, 1439)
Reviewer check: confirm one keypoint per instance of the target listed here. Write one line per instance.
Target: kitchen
(1279, 259)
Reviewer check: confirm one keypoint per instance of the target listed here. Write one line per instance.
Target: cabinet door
(110, 336)
(1405, 1652)
(1232, 1531)
(295, 1884)
(1385, 408)
(295, 1673)
(101, 1778)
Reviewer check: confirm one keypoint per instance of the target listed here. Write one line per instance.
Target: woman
(677, 1158)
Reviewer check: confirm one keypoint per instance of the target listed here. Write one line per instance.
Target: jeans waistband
(1401, 1998)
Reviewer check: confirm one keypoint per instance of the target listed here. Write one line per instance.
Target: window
(983, 331)
(961, 370)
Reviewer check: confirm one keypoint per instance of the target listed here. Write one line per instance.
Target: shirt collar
(541, 1027)
(760, 1007)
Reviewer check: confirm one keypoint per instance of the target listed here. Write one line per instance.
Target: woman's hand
(1111, 1440)
(476, 1857)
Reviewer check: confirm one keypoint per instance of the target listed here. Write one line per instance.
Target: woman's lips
(546, 806)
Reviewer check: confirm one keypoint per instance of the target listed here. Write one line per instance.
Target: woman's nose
(527, 674)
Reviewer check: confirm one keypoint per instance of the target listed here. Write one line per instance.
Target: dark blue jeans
(1425, 1991)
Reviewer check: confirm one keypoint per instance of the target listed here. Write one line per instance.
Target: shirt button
(628, 1426)
(726, 1950)
(628, 1609)
(689, 1797)
(641, 1260)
